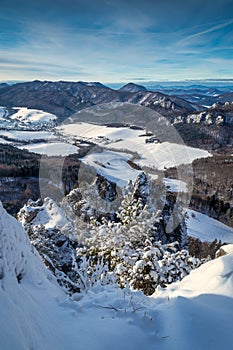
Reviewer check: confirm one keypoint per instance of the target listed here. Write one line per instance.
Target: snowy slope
(113, 166)
(34, 116)
(26, 289)
(207, 229)
(195, 313)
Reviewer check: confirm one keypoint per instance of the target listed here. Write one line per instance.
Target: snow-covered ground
(207, 229)
(19, 135)
(98, 132)
(4, 141)
(114, 167)
(35, 116)
(174, 185)
(226, 249)
(158, 155)
(195, 313)
(51, 149)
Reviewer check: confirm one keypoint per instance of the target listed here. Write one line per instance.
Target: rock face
(217, 114)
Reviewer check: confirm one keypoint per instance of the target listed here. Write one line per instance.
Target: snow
(4, 141)
(93, 131)
(113, 166)
(48, 214)
(23, 303)
(51, 149)
(19, 135)
(158, 155)
(207, 229)
(227, 249)
(174, 185)
(195, 313)
(35, 116)
(145, 98)
(3, 112)
(161, 155)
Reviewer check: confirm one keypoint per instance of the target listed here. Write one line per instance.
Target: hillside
(36, 314)
(65, 98)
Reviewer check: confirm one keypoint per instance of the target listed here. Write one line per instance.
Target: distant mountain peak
(131, 87)
(92, 83)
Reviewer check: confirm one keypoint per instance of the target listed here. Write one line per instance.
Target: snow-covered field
(207, 229)
(27, 115)
(51, 149)
(195, 313)
(19, 135)
(114, 167)
(158, 155)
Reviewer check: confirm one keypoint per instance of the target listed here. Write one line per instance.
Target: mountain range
(205, 123)
(65, 98)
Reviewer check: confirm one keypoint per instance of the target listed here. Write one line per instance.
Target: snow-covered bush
(134, 258)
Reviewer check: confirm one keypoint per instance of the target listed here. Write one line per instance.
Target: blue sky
(116, 41)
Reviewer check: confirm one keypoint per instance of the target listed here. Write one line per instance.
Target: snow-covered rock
(224, 250)
(46, 213)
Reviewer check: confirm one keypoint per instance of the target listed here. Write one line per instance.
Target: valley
(116, 175)
(118, 138)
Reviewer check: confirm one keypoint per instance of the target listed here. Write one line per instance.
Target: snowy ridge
(25, 284)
